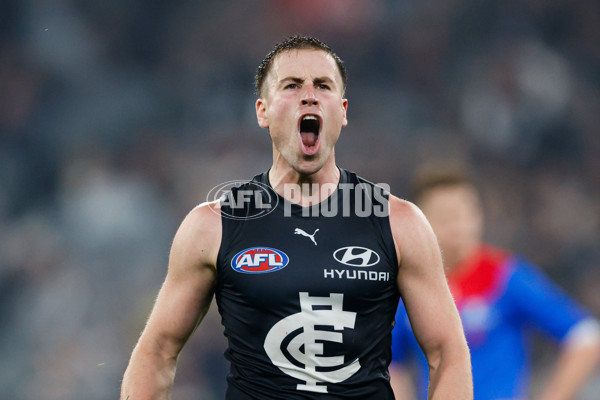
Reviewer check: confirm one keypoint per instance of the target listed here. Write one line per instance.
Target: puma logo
(299, 231)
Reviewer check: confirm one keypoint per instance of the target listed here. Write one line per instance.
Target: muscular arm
(181, 304)
(431, 309)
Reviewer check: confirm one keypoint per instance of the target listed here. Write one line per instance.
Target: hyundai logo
(356, 256)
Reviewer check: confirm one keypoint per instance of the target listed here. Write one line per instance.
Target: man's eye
(291, 86)
(323, 86)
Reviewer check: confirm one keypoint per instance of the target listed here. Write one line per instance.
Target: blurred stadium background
(118, 116)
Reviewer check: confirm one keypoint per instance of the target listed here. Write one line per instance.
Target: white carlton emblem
(316, 311)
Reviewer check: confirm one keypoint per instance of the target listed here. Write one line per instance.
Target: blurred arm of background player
(181, 304)
(402, 380)
(578, 357)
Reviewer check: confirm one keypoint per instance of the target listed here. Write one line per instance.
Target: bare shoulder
(404, 216)
(411, 230)
(198, 238)
(204, 216)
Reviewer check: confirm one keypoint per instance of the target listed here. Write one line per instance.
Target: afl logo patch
(259, 260)
(355, 256)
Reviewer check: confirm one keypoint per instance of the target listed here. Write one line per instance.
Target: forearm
(149, 376)
(182, 302)
(573, 368)
(450, 375)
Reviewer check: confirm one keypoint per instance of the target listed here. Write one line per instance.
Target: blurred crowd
(118, 116)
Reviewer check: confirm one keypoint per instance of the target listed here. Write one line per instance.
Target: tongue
(308, 138)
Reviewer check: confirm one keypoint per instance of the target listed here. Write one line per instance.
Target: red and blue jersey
(501, 298)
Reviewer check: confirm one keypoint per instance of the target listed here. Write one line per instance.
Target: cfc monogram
(315, 312)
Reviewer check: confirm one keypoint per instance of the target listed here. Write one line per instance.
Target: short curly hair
(295, 42)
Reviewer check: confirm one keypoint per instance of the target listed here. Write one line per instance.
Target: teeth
(309, 117)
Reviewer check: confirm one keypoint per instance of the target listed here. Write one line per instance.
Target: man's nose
(309, 98)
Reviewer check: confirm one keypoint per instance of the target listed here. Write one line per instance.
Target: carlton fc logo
(297, 344)
(259, 260)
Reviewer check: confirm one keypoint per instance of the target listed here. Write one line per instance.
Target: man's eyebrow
(292, 78)
(317, 81)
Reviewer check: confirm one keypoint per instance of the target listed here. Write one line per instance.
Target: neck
(461, 262)
(304, 188)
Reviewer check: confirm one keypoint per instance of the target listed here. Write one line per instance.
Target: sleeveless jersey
(308, 300)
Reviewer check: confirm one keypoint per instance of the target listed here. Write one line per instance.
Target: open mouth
(310, 125)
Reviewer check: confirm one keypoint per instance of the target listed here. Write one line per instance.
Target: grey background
(117, 117)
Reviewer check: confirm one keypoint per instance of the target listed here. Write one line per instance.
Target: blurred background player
(501, 298)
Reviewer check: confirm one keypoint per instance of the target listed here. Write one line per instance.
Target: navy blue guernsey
(307, 300)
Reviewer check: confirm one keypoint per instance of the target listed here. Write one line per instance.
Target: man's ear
(345, 108)
(261, 113)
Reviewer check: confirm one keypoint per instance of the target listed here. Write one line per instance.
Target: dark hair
(434, 175)
(295, 42)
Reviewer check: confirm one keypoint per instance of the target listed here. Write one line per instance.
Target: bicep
(181, 304)
(422, 282)
(187, 291)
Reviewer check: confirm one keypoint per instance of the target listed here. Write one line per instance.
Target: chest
(268, 263)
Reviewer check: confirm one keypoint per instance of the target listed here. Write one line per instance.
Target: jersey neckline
(297, 209)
